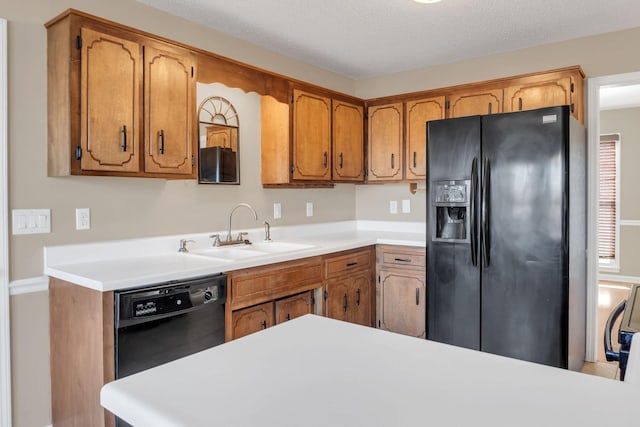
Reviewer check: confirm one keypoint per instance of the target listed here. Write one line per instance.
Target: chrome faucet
(240, 239)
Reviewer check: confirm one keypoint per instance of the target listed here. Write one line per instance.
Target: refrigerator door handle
(472, 208)
(484, 208)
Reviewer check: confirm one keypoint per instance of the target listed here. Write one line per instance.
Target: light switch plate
(31, 221)
(83, 219)
(309, 208)
(406, 206)
(277, 210)
(393, 207)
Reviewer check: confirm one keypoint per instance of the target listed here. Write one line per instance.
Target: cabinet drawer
(389, 256)
(349, 262)
(260, 284)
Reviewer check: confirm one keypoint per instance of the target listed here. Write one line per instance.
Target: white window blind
(607, 209)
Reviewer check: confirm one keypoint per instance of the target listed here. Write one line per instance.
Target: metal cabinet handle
(473, 215)
(161, 141)
(417, 296)
(341, 160)
(288, 316)
(392, 161)
(415, 160)
(344, 306)
(326, 160)
(520, 104)
(264, 324)
(124, 138)
(358, 296)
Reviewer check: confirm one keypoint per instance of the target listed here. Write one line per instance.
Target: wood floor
(610, 294)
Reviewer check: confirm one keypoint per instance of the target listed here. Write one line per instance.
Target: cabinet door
(402, 302)
(418, 114)
(348, 142)
(337, 299)
(474, 104)
(294, 306)
(538, 94)
(311, 136)
(110, 103)
(360, 299)
(385, 142)
(169, 106)
(252, 319)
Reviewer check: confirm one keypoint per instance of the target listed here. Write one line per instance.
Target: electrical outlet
(277, 210)
(393, 207)
(83, 219)
(309, 208)
(406, 206)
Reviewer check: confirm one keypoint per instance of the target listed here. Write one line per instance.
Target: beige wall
(626, 122)
(123, 208)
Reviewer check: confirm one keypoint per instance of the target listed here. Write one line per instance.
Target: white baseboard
(30, 285)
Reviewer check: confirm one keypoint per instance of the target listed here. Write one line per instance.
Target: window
(608, 209)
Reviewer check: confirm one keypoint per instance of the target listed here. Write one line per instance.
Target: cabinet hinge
(378, 278)
(572, 87)
(573, 107)
(366, 115)
(78, 42)
(292, 98)
(325, 295)
(193, 160)
(313, 299)
(378, 323)
(446, 105)
(292, 168)
(192, 72)
(78, 152)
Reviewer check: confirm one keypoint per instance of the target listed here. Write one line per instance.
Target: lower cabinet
(294, 306)
(252, 319)
(348, 293)
(401, 290)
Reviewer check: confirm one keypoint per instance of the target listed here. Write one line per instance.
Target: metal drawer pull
(351, 264)
(417, 296)
(402, 260)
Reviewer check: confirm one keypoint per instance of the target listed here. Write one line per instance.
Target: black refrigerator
(507, 235)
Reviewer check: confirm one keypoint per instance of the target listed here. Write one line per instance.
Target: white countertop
(114, 265)
(316, 371)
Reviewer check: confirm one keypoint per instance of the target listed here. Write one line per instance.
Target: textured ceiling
(367, 38)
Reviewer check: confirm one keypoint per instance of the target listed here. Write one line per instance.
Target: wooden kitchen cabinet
(419, 112)
(294, 306)
(252, 319)
(348, 142)
(120, 102)
(483, 102)
(547, 90)
(385, 145)
(311, 136)
(348, 293)
(401, 290)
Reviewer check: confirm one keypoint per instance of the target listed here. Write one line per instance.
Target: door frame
(5, 331)
(593, 164)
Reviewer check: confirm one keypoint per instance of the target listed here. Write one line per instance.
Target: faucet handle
(183, 245)
(241, 237)
(216, 239)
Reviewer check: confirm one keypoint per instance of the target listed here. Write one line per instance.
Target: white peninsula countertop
(316, 371)
(116, 265)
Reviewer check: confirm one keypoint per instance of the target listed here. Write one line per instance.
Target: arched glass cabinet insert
(219, 155)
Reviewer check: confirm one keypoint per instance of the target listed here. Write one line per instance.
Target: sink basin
(228, 253)
(276, 247)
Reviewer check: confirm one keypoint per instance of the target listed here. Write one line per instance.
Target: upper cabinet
(475, 103)
(313, 142)
(385, 142)
(418, 114)
(348, 142)
(135, 115)
(311, 136)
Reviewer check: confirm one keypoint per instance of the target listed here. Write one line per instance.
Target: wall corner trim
(30, 285)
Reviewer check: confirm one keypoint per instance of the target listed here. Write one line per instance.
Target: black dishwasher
(161, 323)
